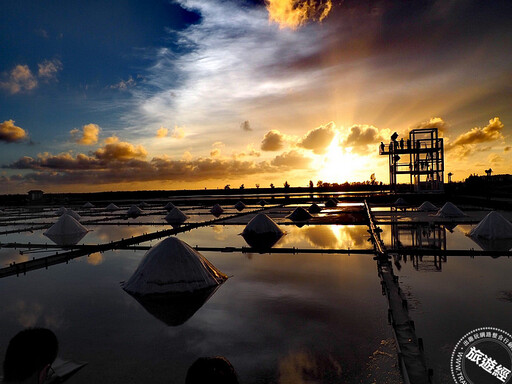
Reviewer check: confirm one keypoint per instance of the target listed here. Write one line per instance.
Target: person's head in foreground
(29, 356)
(211, 370)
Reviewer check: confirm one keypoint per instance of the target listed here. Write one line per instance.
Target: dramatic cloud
(319, 138)
(99, 169)
(272, 141)
(120, 150)
(246, 126)
(20, 79)
(507, 148)
(10, 133)
(491, 132)
(88, 135)
(292, 160)
(361, 136)
(294, 13)
(162, 132)
(48, 69)
(434, 122)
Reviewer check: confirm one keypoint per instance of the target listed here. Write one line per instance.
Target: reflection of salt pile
(262, 232)
(493, 233)
(112, 207)
(88, 205)
(427, 206)
(299, 214)
(169, 206)
(240, 206)
(450, 210)
(262, 203)
(331, 203)
(66, 231)
(172, 266)
(314, 208)
(134, 211)
(143, 205)
(176, 216)
(216, 210)
(400, 202)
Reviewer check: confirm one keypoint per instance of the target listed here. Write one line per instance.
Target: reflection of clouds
(219, 233)
(304, 368)
(106, 233)
(34, 314)
(329, 236)
(8, 256)
(95, 258)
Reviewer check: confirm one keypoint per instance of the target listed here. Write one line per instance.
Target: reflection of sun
(335, 166)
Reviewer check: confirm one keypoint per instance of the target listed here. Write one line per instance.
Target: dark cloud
(507, 148)
(120, 150)
(10, 133)
(293, 159)
(361, 136)
(318, 139)
(246, 126)
(272, 141)
(91, 170)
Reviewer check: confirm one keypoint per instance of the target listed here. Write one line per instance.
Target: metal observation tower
(421, 157)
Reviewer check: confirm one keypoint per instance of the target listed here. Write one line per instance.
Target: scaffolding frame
(421, 157)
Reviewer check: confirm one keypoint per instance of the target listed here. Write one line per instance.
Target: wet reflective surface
(279, 318)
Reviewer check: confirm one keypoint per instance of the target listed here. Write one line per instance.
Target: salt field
(309, 309)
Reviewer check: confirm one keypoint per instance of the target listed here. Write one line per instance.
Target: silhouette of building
(421, 157)
(35, 194)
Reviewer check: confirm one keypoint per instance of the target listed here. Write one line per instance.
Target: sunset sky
(139, 94)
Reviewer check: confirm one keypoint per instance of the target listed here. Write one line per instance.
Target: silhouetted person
(381, 146)
(408, 143)
(402, 143)
(211, 370)
(29, 356)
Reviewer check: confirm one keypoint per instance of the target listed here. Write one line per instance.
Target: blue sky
(187, 94)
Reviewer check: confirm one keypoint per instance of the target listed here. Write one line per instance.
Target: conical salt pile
(331, 203)
(400, 202)
(143, 205)
(427, 206)
(88, 205)
(450, 210)
(299, 214)
(61, 211)
(216, 210)
(262, 203)
(66, 231)
(73, 214)
(262, 232)
(169, 206)
(173, 266)
(112, 207)
(493, 226)
(134, 211)
(240, 206)
(176, 216)
(314, 208)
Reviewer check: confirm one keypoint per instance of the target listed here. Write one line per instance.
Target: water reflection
(327, 236)
(176, 308)
(492, 244)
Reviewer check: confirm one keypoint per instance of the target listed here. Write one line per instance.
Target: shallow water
(279, 318)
